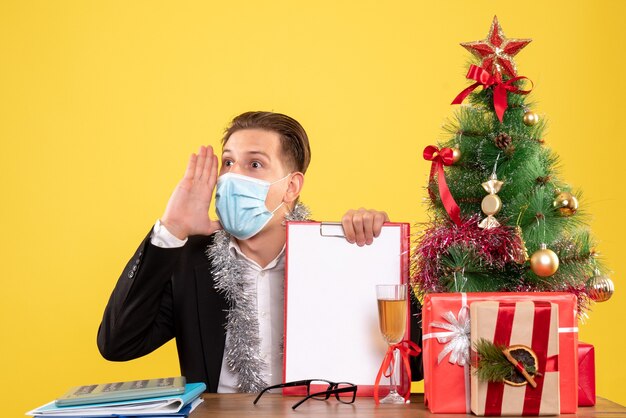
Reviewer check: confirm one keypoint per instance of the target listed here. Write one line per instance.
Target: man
(192, 276)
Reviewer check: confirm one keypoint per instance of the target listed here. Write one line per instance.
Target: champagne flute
(392, 318)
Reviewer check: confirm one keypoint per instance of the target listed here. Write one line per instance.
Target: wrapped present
(586, 375)
(446, 344)
(515, 363)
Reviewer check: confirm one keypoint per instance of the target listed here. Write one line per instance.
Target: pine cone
(509, 151)
(502, 140)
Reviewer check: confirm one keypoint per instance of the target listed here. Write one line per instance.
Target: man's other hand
(363, 225)
(187, 211)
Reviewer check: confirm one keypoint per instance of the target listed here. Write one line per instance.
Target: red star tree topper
(496, 51)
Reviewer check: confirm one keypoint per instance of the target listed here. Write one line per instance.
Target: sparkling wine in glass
(392, 317)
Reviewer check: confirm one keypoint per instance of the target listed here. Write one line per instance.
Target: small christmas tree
(499, 197)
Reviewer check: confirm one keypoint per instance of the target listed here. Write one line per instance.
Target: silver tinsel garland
(242, 325)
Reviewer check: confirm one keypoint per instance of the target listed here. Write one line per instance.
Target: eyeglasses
(344, 392)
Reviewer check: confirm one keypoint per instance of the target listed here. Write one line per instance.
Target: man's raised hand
(187, 212)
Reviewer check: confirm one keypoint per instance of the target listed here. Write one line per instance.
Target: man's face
(257, 153)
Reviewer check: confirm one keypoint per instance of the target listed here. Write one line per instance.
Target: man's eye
(256, 164)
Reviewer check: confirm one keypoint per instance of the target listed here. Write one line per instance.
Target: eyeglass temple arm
(326, 392)
(282, 385)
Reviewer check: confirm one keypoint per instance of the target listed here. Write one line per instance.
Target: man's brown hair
(293, 138)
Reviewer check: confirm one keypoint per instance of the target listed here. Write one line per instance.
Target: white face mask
(240, 204)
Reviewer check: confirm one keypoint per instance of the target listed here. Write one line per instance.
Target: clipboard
(331, 314)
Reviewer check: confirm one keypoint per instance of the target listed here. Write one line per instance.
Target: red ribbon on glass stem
(405, 348)
(440, 158)
(500, 89)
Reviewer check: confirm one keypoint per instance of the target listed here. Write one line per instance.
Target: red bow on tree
(440, 158)
(500, 88)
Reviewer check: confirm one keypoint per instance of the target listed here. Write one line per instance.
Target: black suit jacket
(164, 294)
(168, 293)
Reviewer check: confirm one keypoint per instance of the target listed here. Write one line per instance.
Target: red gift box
(528, 325)
(445, 347)
(586, 375)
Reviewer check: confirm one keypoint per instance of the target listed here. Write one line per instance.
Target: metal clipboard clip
(335, 230)
(331, 230)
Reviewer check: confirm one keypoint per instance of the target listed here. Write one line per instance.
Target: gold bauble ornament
(530, 118)
(566, 203)
(600, 287)
(456, 155)
(544, 262)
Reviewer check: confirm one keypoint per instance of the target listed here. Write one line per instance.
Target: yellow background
(102, 102)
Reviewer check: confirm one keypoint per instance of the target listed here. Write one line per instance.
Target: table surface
(275, 405)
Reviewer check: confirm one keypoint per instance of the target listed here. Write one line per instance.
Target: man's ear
(294, 188)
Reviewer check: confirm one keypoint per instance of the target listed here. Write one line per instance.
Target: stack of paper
(163, 406)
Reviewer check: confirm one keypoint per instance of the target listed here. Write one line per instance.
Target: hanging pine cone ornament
(522, 255)
(502, 141)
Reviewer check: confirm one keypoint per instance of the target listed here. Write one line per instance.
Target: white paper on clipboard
(331, 313)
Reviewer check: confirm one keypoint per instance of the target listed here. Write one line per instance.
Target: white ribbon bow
(457, 338)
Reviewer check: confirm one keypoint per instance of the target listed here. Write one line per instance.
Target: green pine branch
(492, 364)
(464, 270)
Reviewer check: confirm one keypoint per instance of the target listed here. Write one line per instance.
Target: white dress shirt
(268, 284)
